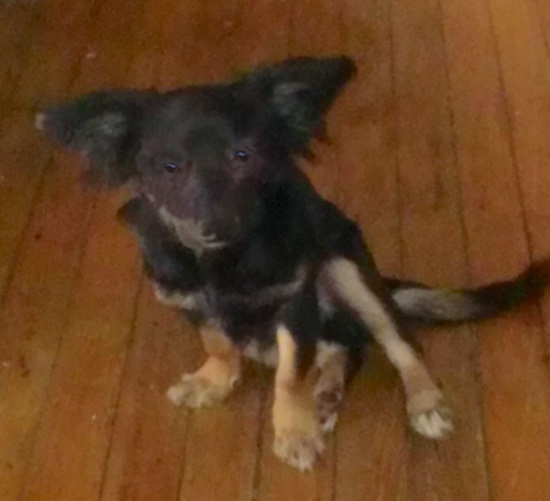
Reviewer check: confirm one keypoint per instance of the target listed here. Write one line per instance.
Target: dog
(233, 234)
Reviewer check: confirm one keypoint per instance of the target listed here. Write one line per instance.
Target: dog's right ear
(104, 127)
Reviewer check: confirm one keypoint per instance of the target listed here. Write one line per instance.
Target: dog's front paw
(429, 415)
(210, 385)
(299, 448)
(197, 392)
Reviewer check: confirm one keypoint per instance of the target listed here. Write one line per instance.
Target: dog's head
(203, 155)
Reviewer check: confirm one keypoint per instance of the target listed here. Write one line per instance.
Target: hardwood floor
(440, 149)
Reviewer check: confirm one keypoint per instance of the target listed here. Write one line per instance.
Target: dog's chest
(249, 321)
(188, 301)
(225, 306)
(243, 291)
(225, 289)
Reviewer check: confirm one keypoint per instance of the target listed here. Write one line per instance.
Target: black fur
(105, 127)
(222, 211)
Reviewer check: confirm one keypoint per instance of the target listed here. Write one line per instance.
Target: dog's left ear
(298, 92)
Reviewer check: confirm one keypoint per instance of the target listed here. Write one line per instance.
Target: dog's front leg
(213, 382)
(298, 436)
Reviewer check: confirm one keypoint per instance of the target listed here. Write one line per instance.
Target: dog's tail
(431, 305)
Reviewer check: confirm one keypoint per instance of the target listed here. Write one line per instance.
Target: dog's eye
(170, 167)
(242, 156)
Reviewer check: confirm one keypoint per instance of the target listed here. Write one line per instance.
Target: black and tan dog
(233, 234)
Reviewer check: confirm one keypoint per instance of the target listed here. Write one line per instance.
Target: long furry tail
(419, 302)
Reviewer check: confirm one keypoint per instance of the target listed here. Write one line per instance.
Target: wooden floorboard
(526, 84)
(82, 394)
(33, 315)
(371, 441)
(430, 203)
(514, 376)
(20, 26)
(84, 390)
(147, 449)
(19, 187)
(59, 45)
(439, 149)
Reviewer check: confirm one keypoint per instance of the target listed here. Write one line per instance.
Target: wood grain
(58, 47)
(513, 374)
(438, 149)
(371, 460)
(33, 316)
(21, 23)
(147, 449)
(84, 395)
(20, 179)
(434, 250)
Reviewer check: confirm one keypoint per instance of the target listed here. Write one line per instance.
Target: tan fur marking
(40, 121)
(215, 379)
(298, 438)
(223, 367)
(286, 370)
(331, 358)
(190, 301)
(444, 304)
(217, 344)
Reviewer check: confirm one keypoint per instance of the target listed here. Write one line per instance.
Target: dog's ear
(299, 91)
(104, 127)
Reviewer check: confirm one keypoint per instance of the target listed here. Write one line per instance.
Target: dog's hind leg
(213, 382)
(339, 356)
(332, 363)
(427, 411)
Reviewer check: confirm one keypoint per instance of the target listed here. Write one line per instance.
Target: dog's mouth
(204, 224)
(200, 230)
(197, 234)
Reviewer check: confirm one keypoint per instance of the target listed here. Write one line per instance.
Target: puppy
(234, 235)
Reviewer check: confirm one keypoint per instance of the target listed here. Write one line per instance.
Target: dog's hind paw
(328, 423)
(299, 449)
(197, 392)
(429, 416)
(327, 403)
